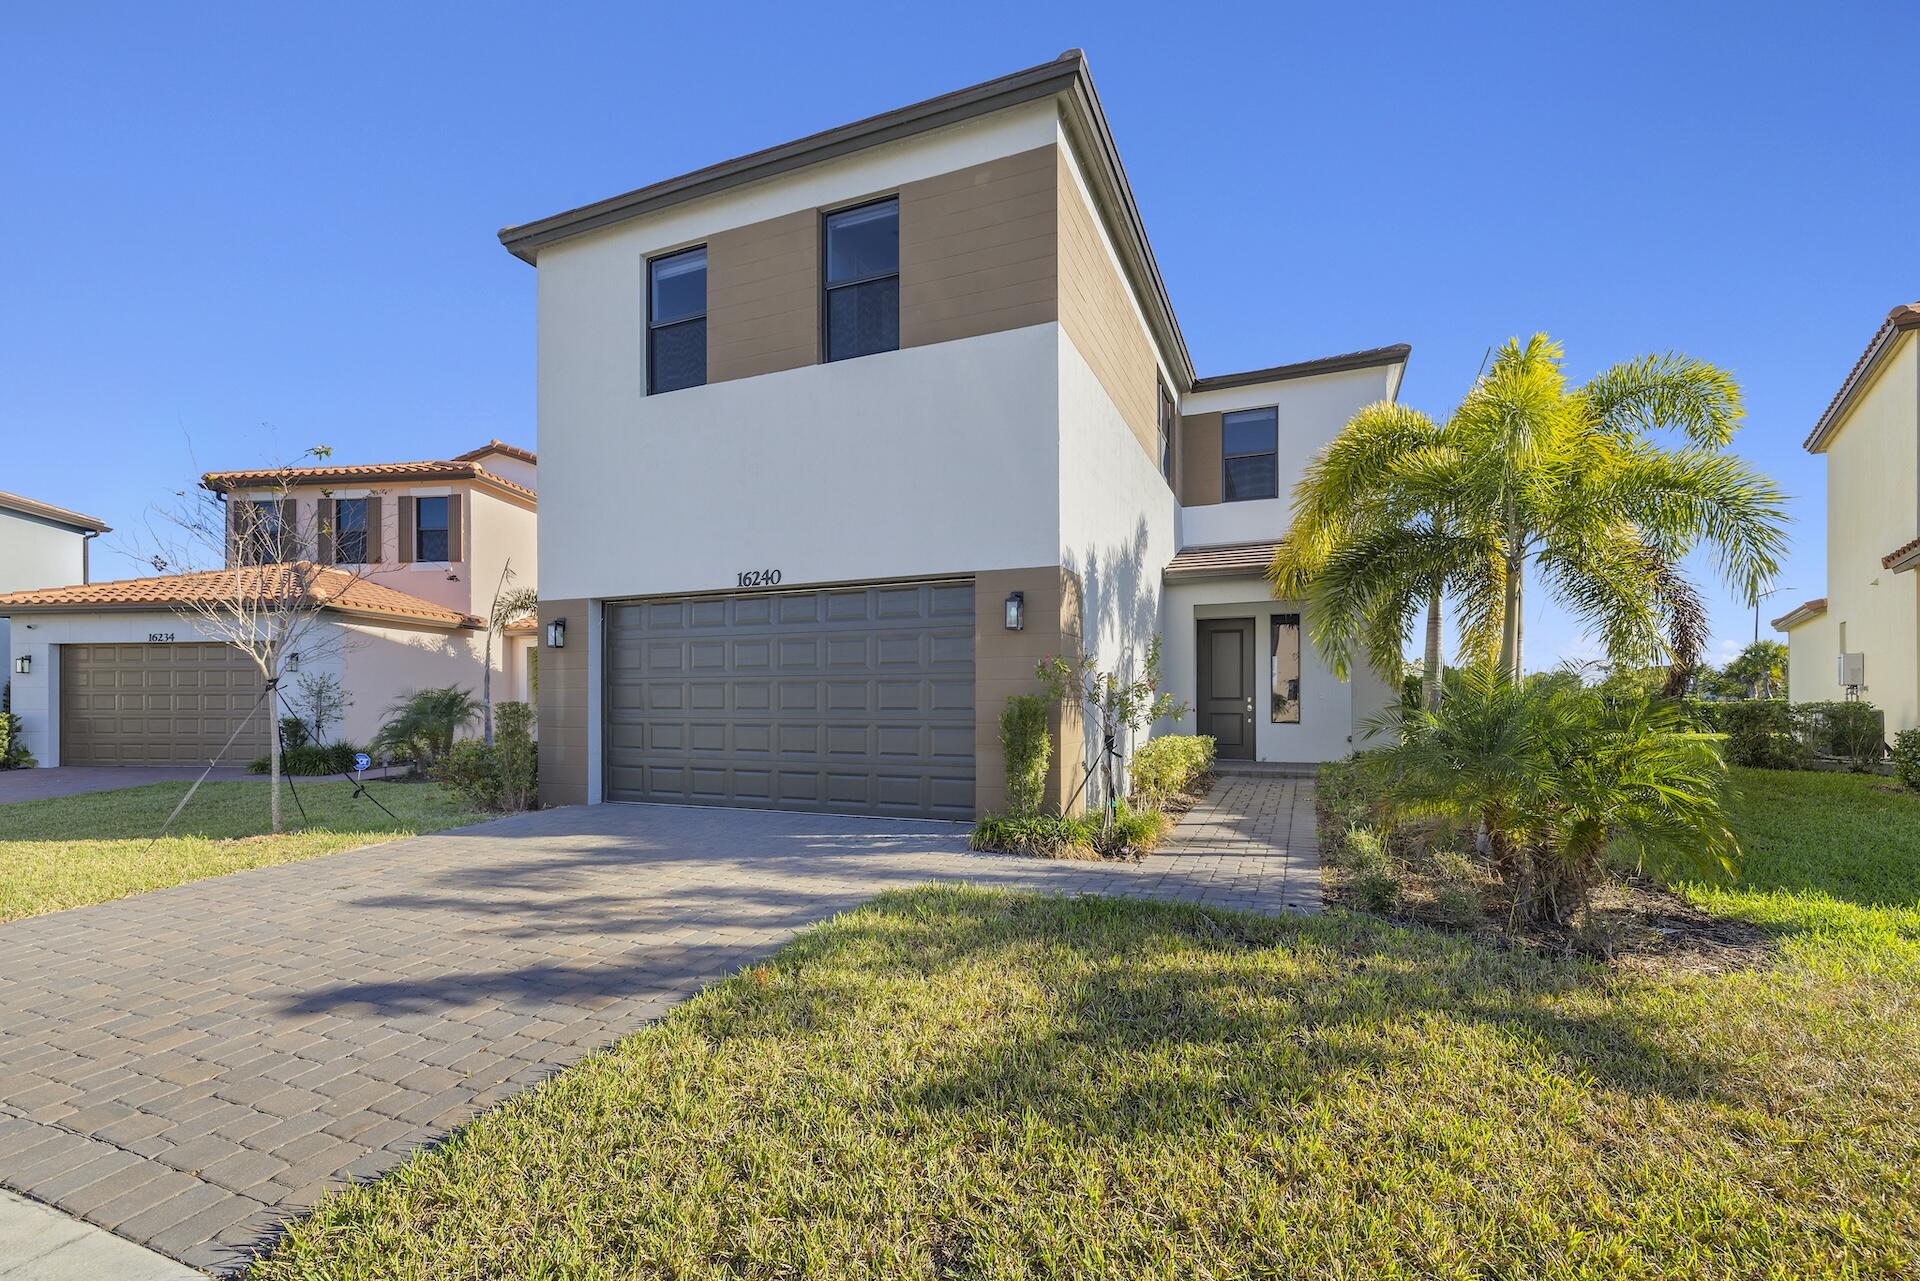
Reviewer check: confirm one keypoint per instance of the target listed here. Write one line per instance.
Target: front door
(1226, 686)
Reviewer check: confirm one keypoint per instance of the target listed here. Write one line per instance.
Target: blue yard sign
(362, 762)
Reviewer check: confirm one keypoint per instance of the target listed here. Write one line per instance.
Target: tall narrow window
(350, 531)
(862, 280)
(1286, 669)
(677, 321)
(263, 533)
(1249, 439)
(1165, 433)
(430, 529)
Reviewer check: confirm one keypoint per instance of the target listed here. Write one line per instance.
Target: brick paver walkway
(1265, 832)
(193, 1066)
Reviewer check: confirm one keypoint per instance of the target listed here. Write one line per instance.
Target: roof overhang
(1372, 358)
(1899, 322)
(1902, 558)
(1066, 78)
(1799, 614)
(1227, 560)
(227, 482)
(73, 520)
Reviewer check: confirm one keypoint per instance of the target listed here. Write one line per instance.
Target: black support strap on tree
(218, 757)
(360, 791)
(280, 734)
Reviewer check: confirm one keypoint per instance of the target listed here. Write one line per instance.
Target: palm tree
(1373, 542)
(1554, 774)
(1528, 474)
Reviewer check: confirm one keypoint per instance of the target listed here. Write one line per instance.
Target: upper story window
(1165, 431)
(350, 531)
(677, 321)
(430, 536)
(1250, 440)
(260, 529)
(862, 280)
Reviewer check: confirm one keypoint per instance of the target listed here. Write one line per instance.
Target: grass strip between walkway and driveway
(950, 1082)
(71, 851)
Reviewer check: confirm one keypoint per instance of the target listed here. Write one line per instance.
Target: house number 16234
(759, 578)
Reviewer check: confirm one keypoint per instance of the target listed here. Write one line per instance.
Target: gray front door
(855, 700)
(1225, 682)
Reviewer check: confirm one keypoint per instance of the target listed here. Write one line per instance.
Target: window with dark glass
(263, 533)
(1250, 440)
(1286, 669)
(863, 280)
(430, 529)
(677, 321)
(350, 531)
(1165, 433)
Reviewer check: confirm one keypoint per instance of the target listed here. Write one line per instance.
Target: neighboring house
(40, 546)
(407, 558)
(819, 420)
(1862, 639)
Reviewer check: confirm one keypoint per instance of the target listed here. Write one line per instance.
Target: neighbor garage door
(854, 700)
(158, 705)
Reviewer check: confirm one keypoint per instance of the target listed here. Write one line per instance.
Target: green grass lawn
(74, 850)
(953, 1083)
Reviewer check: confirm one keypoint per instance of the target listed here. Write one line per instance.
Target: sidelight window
(1286, 669)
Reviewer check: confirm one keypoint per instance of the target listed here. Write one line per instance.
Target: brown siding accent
(763, 297)
(404, 553)
(1200, 459)
(563, 704)
(1003, 664)
(453, 527)
(979, 249)
(1097, 314)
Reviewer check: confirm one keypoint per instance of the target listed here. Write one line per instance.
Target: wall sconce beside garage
(557, 634)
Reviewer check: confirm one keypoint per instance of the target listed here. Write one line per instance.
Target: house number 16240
(759, 578)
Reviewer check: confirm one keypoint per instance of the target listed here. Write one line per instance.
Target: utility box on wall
(1853, 669)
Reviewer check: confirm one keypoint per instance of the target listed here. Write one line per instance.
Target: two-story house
(40, 545)
(840, 438)
(406, 557)
(1862, 639)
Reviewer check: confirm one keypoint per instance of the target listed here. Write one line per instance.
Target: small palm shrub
(1906, 757)
(1027, 747)
(1170, 765)
(422, 726)
(1555, 774)
(1132, 832)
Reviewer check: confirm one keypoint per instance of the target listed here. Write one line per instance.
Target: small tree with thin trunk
(268, 600)
(1117, 704)
(509, 603)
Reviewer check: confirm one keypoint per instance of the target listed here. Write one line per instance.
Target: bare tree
(268, 600)
(509, 603)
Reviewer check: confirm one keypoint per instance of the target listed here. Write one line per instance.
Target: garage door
(853, 700)
(158, 705)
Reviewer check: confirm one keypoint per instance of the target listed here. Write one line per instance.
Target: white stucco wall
(517, 470)
(1311, 412)
(383, 664)
(35, 553)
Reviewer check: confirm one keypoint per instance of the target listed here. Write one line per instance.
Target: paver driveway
(193, 1066)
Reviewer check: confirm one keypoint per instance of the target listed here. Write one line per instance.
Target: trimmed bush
(1170, 765)
(1135, 831)
(1027, 748)
(1854, 732)
(1906, 757)
(13, 751)
(504, 777)
(1760, 733)
(293, 733)
(334, 758)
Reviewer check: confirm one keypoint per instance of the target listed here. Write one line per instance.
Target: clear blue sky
(236, 231)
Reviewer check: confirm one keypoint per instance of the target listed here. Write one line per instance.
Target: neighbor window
(1286, 669)
(350, 531)
(263, 533)
(1165, 433)
(1249, 438)
(863, 280)
(430, 529)
(677, 321)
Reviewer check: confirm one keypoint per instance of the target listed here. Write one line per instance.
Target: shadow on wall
(1119, 613)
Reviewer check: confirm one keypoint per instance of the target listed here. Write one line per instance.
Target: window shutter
(453, 527)
(376, 529)
(326, 513)
(289, 548)
(405, 554)
(233, 531)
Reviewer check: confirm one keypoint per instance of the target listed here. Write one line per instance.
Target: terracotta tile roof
(1902, 558)
(497, 446)
(47, 511)
(519, 625)
(1904, 317)
(1801, 613)
(1226, 561)
(222, 482)
(335, 588)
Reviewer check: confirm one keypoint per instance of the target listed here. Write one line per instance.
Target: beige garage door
(158, 705)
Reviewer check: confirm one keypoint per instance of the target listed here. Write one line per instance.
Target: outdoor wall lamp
(557, 634)
(1016, 611)
(23, 665)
